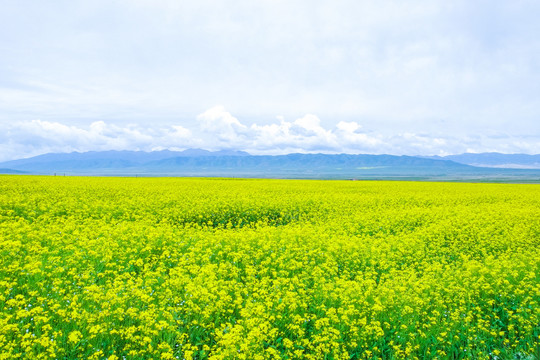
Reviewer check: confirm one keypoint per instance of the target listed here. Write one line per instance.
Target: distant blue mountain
(105, 159)
(11, 171)
(301, 161)
(231, 163)
(493, 159)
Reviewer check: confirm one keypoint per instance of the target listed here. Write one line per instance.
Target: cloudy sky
(270, 76)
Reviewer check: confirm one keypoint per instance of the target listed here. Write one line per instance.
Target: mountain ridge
(494, 159)
(233, 163)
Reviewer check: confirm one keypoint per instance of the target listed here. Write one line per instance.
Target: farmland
(186, 268)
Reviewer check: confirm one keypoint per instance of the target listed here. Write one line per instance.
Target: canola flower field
(176, 268)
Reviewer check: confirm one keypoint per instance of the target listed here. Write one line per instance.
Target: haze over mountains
(233, 163)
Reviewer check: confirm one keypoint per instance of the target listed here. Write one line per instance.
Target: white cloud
(220, 123)
(300, 135)
(352, 137)
(306, 134)
(24, 139)
(218, 129)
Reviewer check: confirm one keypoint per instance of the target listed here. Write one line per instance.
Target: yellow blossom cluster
(173, 268)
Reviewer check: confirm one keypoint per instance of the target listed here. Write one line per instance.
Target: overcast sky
(270, 76)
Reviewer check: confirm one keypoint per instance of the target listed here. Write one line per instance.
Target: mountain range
(232, 163)
(493, 159)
